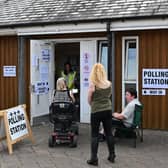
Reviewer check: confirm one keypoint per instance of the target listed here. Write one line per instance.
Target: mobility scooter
(61, 115)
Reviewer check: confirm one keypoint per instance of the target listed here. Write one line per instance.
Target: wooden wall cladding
(8, 85)
(153, 53)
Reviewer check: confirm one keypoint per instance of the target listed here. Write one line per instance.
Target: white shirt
(128, 112)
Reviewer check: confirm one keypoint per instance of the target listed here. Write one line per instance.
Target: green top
(101, 100)
(69, 78)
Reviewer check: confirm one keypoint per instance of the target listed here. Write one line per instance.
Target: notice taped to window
(17, 122)
(155, 78)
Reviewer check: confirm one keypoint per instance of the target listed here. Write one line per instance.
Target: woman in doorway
(69, 75)
(99, 94)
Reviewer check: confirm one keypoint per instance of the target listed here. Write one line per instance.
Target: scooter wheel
(50, 141)
(74, 141)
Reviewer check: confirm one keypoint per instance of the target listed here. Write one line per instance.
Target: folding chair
(135, 129)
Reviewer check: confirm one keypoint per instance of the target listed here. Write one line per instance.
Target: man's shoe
(92, 162)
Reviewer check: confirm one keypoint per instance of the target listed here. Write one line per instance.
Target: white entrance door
(87, 59)
(41, 77)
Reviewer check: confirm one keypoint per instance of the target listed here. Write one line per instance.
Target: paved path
(152, 153)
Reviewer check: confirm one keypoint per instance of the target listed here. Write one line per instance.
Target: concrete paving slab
(152, 153)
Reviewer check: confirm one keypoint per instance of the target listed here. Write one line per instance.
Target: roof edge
(102, 20)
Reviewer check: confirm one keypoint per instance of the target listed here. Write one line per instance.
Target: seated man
(125, 118)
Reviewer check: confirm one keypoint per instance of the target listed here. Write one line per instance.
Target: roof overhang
(142, 24)
(8, 32)
(96, 26)
(63, 29)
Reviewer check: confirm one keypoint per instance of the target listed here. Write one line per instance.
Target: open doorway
(69, 52)
(47, 59)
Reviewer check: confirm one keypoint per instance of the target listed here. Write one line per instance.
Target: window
(129, 65)
(103, 54)
(130, 60)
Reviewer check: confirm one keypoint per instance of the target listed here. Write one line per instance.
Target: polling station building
(128, 37)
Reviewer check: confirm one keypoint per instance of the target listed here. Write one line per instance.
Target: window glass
(104, 55)
(130, 64)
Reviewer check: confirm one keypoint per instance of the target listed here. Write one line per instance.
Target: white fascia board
(63, 29)
(8, 32)
(145, 24)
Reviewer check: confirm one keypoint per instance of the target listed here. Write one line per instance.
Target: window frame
(125, 40)
(100, 44)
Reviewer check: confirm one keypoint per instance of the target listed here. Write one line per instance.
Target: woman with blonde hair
(61, 85)
(62, 93)
(99, 98)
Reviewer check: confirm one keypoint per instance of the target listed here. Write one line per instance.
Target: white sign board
(9, 71)
(17, 122)
(41, 87)
(156, 92)
(155, 78)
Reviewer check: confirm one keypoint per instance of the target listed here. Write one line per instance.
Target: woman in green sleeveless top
(99, 98)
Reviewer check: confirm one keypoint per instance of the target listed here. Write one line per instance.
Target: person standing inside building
(99, 98)
(69, 75)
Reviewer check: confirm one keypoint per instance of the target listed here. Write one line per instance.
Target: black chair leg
(141, 135)
(135, 142)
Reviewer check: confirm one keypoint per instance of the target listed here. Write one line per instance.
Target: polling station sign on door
(154, 81)
(16, 125)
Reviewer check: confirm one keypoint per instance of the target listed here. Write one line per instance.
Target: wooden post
(8, 139)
